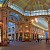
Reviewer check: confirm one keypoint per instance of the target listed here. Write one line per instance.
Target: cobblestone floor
(27, 46)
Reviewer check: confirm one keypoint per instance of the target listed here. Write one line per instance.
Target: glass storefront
(26, 36)
(20, 37)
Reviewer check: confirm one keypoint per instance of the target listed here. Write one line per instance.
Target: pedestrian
(38, 39)
(47, 40)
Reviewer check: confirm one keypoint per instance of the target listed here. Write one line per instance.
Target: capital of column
(5, 11)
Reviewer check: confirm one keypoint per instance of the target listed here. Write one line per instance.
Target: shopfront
(26, 36)
(20, 37)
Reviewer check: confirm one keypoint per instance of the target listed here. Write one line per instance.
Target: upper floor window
(9, 29)
(13, 28)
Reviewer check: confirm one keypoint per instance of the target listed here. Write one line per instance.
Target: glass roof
(30, 13)
(16, 15)
(2, 1)
(17, 8)
(37, 12)
(33, 7)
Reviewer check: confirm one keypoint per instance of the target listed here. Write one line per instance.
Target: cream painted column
(30, 29)
(4, 28)
(1, 26)
(15, 33)
(18, 31)
(5, 23)
(22, 32)
(49, 27)
(7, 20)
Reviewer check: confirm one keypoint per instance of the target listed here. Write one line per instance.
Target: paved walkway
(27, 46)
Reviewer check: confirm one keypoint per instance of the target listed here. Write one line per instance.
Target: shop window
(16, 35)
(20, 34)
(26, 35)
(26, 19)
(13, 28)
(9, 29)
(12, 18)
(33, 36)
(9, 35)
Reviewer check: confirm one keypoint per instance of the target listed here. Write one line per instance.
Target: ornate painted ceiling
(32, 5)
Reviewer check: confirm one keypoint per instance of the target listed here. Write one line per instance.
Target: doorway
(20, 37)
(26, 36)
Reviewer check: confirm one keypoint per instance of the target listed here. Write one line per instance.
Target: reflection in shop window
(13, 28)
(9, 29)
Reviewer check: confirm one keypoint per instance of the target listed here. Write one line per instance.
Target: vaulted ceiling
(29, 5)
(32, 4)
